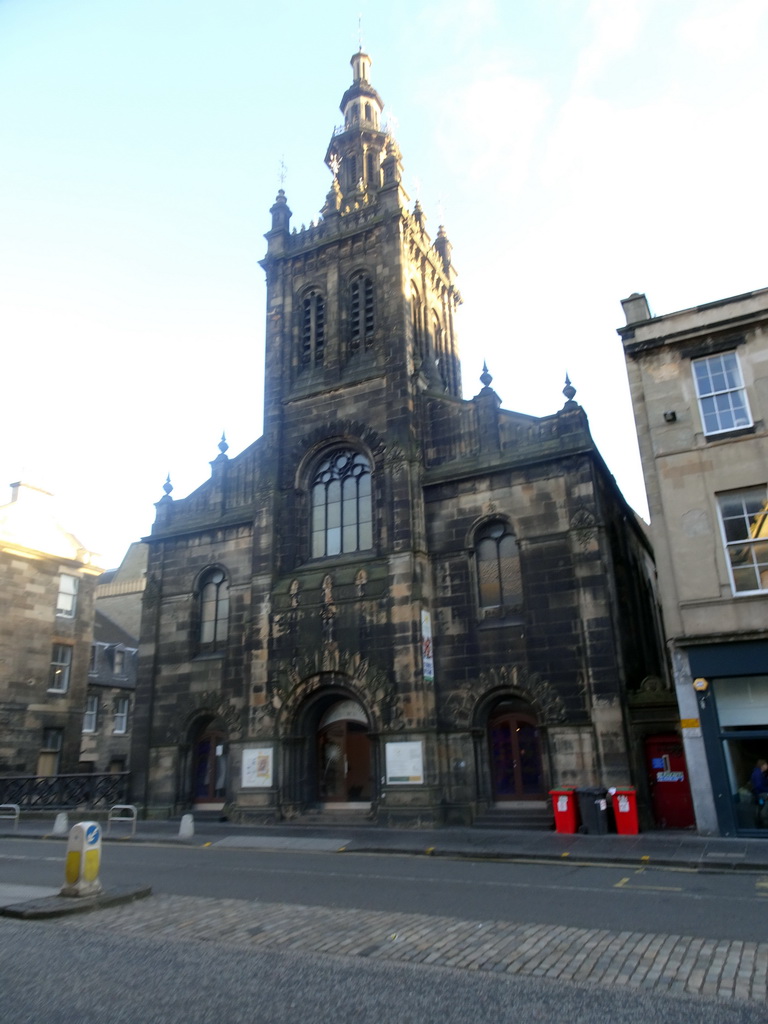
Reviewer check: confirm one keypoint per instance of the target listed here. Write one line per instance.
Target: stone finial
(569, 390)
(443, 247)
(223, 446)
(167, 486)
(281, 214)
(485, 377)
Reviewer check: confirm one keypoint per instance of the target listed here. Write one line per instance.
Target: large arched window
(360, 311)
(312, 329)
(214, 608)
(341, 504)
(497, 558)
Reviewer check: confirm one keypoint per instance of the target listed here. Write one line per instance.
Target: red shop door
(668, 781)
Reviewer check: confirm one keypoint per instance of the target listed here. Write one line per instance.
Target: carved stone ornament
(463, 706)
(296, 682)
(213, 702)
(584, 526)
(338, 431)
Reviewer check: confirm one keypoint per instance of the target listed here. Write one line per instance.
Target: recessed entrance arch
(344, 765)
(208, 763)
(515, 750)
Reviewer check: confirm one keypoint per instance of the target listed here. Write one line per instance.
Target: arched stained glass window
(497, 556)
(341, 504)
(214, 608)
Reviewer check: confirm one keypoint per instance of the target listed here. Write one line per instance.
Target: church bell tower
(361, 303)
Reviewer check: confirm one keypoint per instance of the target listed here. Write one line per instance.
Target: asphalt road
(65, 972)
(730, 906)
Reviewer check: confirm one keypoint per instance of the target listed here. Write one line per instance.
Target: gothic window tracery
(340, 492)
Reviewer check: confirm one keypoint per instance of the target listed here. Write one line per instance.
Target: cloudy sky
(576, 151)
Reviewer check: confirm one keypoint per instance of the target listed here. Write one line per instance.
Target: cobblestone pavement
(660, 963)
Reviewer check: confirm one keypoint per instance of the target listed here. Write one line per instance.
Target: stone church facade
(396, 601)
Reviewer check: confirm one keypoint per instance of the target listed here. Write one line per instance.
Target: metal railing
(89, 791)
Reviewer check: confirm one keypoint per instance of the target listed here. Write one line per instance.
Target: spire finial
(569, 390)
(485, 377)
(223, 446)
(168, 486)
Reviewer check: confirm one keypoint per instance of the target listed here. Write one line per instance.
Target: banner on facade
(405, 763)
(257, 767)
(427, 660)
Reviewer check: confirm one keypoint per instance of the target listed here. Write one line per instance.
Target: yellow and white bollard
(81, 870)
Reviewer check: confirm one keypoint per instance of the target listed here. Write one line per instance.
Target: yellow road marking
(654, 888)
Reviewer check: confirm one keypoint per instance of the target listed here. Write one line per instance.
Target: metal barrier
(11, 812)
(90, 791)
(123, 812)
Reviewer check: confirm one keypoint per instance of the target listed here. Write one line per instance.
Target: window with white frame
(744, 519)
(119, 662)
(120, 725)
(61, 663)
(91, 716)
(66, 603)
(722, 397)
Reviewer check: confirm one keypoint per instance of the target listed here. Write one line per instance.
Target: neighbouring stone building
(395, 600)
(47, 583)
(699, 384)
(108, 713)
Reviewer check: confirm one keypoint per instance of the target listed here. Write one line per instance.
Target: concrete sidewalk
(661, 849)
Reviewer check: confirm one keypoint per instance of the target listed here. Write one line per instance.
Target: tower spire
(356, 151)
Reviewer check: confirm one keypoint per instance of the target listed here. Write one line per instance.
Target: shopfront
(731, 681)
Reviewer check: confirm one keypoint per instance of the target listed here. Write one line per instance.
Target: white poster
(405, 763)
(257, 766)
(427, 659)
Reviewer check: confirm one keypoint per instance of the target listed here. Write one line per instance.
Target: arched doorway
(344, 766)
(209, 765)
(514, 746)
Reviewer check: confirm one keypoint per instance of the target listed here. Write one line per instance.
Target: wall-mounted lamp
(670, 417)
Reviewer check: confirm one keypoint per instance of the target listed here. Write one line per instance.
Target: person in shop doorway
(759, 784)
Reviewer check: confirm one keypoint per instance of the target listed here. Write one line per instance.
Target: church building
(396, 602)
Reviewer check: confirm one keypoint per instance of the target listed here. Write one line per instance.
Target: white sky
(576, 151)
